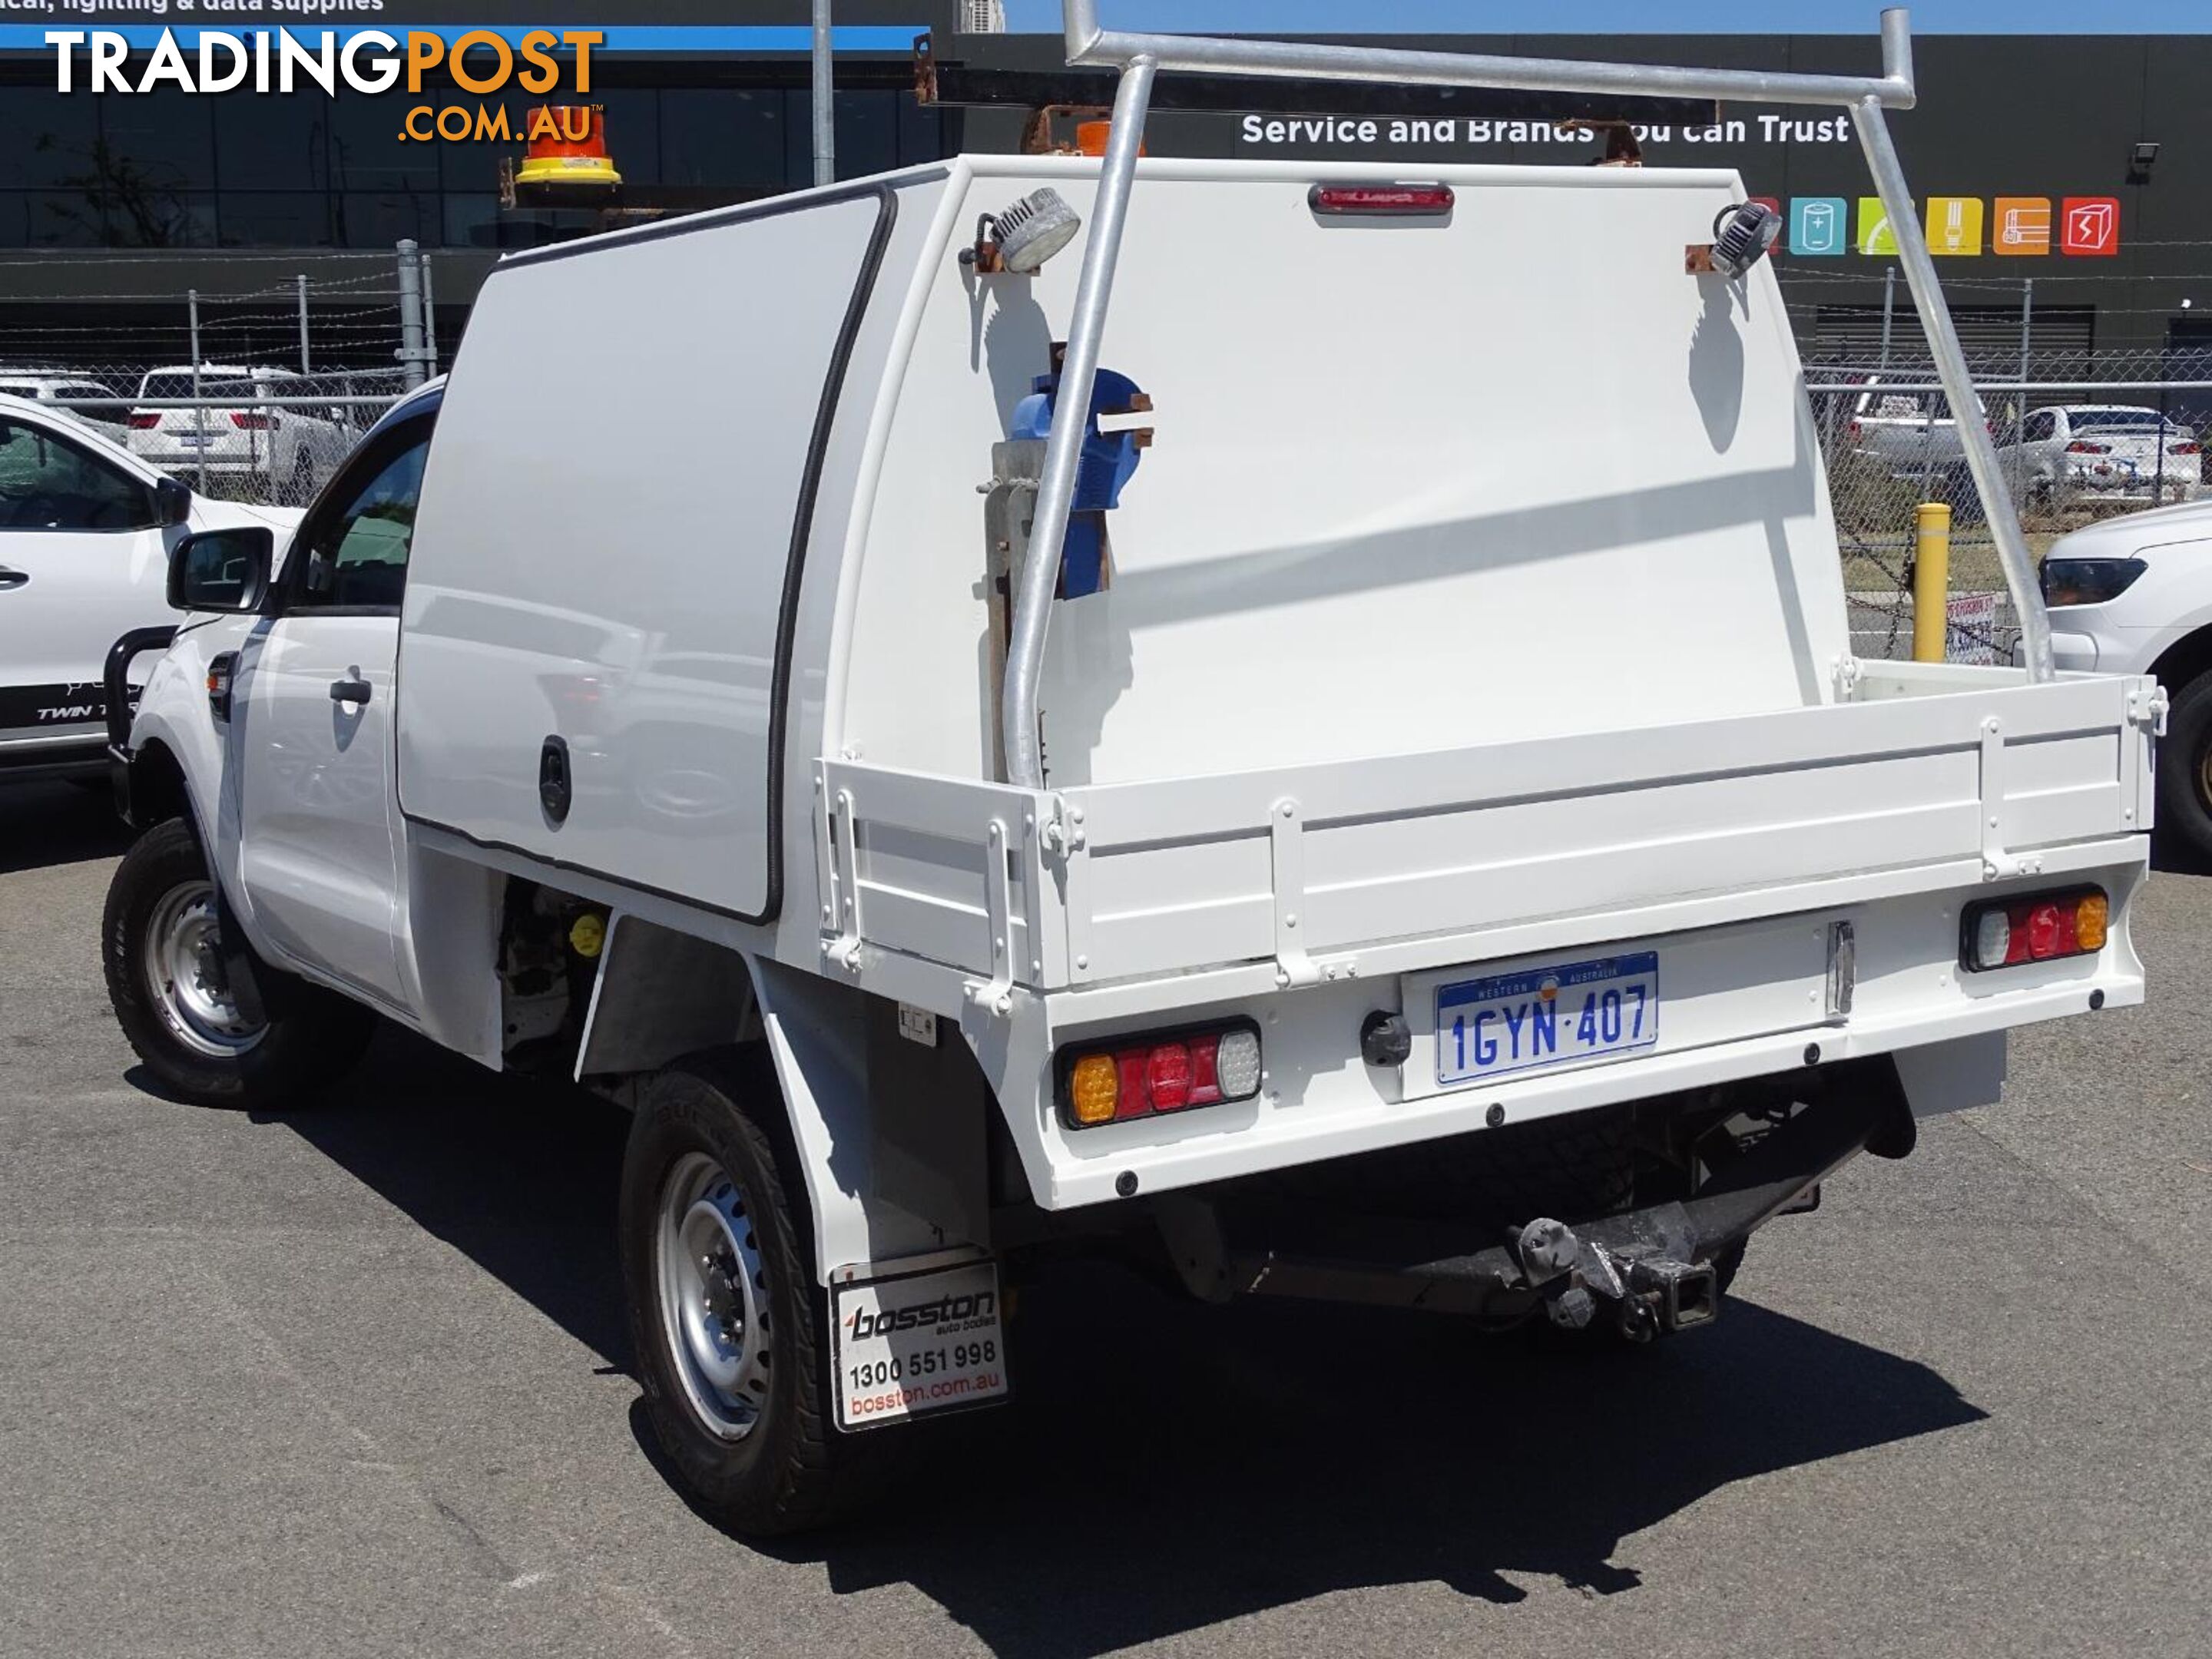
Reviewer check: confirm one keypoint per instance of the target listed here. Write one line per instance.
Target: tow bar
(1652, 1269)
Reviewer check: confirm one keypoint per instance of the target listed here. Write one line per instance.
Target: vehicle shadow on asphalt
(521, 1176)
(1165, 1466)
(1168, 1466)
(45, 824)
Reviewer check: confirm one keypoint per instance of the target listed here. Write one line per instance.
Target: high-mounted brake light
(1404, 201)
(2042, 927)
(1146, 1077)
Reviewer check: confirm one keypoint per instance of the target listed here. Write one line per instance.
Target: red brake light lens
(144, 421)
(2044, 927)
(2083, 446)
(1406, 201)
(246, 422)
(1167, 1077)
(1160, 1074)
(2186, 449)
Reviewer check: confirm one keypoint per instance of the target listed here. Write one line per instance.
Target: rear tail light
(1858, 431)
(1410, 200)
(1146, 1077)
(144, 422)
(248, 421)
(2044, 927)
(2083, 446)
(2185, 449)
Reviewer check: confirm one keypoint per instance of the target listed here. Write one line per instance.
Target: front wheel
(162, 950)
(726, 1322)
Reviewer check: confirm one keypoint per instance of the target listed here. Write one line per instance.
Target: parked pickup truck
(1193, 795)
(86, 532)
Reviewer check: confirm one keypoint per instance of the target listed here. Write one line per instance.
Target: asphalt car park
(355, 1379)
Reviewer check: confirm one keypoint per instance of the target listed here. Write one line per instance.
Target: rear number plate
(927, 1342)
(1545, 1016)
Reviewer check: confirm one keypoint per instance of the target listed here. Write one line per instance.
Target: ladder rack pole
(1974, 439)
(1071, 422)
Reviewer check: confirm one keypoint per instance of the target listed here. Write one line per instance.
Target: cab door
(310, 725)
(83, 561)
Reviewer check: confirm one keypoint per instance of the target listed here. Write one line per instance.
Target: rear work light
(1147, 1077)
(1401, 201)
(2043, 928)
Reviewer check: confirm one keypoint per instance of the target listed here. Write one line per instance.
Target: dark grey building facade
(2073, 174)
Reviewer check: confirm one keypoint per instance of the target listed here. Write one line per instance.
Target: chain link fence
(2078, 439)
(258, 396)
(253, 395)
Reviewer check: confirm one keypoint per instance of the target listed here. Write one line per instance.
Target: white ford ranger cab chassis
(976, 769)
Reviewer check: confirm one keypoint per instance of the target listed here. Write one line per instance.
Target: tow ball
(1646, 1295)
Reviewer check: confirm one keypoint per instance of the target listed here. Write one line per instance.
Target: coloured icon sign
(2023, 225)
(1955, 225)
(1817, 225)
(1875, 236)
(2089, 225)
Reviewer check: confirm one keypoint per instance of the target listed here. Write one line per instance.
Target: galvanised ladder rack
(1140, 57)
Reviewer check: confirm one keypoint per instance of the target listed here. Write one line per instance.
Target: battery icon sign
(1817, 225)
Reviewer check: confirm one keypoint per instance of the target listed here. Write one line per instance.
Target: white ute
(1256, 825)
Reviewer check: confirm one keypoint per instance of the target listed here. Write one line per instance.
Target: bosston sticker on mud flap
(926, 1342)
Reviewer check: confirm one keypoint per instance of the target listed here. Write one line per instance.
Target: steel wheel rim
(2204, 775)
(183, 961)
(714, 1316)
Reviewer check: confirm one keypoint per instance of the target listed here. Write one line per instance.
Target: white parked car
(1909, 431)
(86, 531)
(235, 437)
(2133, 595)
(87, 400)
(2079, 454)
(1336, 860)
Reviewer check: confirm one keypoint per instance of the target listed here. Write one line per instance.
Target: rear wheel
(2184, 768)
(727, 1321)
(161, 942)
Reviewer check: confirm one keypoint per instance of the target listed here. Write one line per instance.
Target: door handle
(351, 690)
(12, 580)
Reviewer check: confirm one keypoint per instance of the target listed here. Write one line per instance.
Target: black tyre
(159, 946)
(2184, 768)
(729, 1327)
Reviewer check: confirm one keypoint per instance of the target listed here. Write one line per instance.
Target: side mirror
(172, 500)
(225, 571)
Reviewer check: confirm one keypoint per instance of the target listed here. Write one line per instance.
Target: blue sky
(1617, 16)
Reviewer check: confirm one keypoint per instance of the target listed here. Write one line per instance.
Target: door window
(48, 483)
(358, 540)
(2039, 426)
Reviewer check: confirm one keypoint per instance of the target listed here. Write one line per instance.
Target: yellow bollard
(1931, 583)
